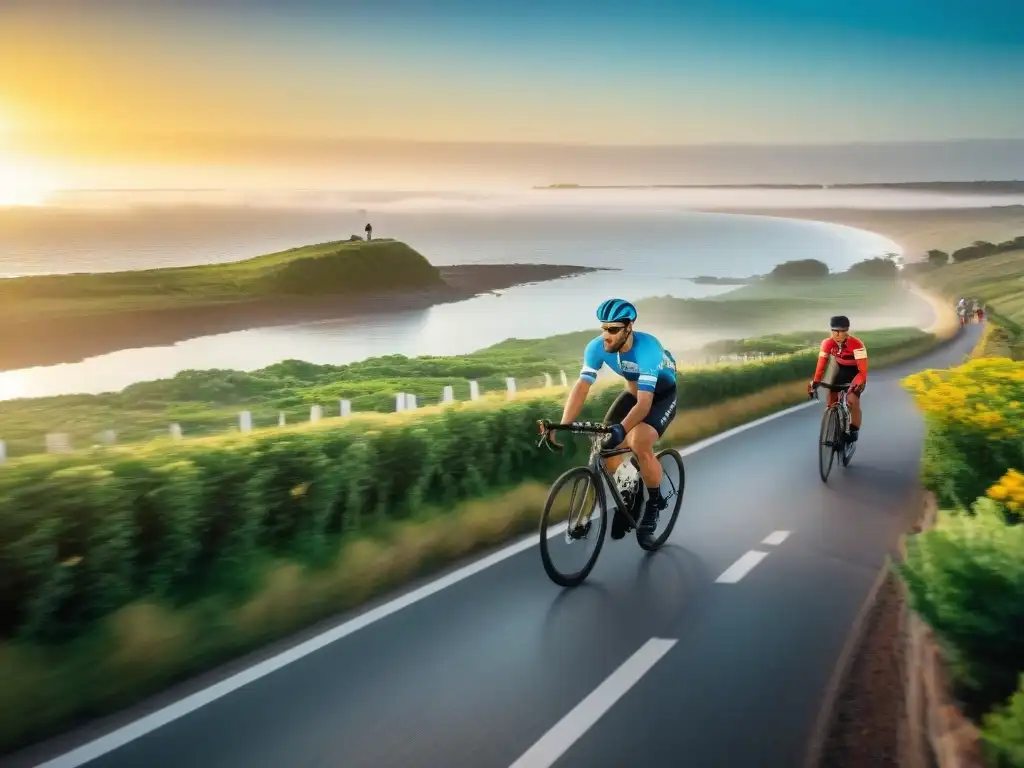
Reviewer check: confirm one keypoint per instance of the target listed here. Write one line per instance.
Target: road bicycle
(627, 499)
(835, 428)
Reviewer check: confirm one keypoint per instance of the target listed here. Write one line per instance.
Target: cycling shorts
(845, 375)
(663, 409)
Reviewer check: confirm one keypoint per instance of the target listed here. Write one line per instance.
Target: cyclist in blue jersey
(641, 414)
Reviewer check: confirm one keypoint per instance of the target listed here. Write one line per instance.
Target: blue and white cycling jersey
(647, 363)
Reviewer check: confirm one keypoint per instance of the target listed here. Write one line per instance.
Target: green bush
(965, 578)
(1003, 733)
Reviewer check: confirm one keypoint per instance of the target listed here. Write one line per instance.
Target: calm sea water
(652, 238)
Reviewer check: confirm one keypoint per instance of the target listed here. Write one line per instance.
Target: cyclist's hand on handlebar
(812, 389)
(615, 437)
(548, 436)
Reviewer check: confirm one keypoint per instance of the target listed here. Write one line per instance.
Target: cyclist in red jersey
(852, 356)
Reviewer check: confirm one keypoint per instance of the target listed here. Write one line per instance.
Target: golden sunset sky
(112, 92)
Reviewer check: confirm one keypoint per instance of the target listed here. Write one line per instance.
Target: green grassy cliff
(335, 268)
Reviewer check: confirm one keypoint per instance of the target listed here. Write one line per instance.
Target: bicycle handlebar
(582, 427)
(832, 387)
(585, 427)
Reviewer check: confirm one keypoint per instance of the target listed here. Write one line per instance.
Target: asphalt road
(719, 673)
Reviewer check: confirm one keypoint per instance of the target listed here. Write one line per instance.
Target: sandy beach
(915, 230)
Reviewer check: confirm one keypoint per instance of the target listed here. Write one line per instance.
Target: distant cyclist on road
(961, 309)
(640, 415)
(852, 356)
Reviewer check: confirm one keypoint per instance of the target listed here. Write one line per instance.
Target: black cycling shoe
(852, 436)
(620, 525)
(649, 522)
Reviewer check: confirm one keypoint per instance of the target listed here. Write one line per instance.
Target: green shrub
(965, 578)
(1003, 733)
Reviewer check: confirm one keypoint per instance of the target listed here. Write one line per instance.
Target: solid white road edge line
(741, 567)
(178, 709)
(567, 731)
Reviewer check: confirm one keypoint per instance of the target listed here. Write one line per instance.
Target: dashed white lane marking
(741, 567)
(775, 538)
(567, 731)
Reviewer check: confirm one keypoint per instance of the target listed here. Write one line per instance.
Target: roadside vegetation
(965, 575)
(997, 279)
(123, 569)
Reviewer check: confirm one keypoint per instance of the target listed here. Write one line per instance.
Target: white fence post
(400, 401)
(245, 421)
(57, 442)
(346, 408)
(176, 431)
(316, 413)
(3, 451)
(510, 382)
(281, 421)
(547, 380)
(410, 402)
(448, 394)
(565, 381)
(474, 390)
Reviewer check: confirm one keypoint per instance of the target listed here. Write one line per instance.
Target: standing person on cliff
(369, 231)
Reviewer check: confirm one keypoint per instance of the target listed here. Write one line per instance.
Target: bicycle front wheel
(673, 483)
(827, 441)
(576, 498)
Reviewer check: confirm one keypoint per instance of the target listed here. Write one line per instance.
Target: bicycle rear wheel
(846, 455)
(581, 508)
(827, 440)
(671, 461)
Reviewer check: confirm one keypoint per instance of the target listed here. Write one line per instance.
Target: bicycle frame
(841, 405)
(596, 461)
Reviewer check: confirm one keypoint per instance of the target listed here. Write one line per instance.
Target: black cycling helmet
(839, 323)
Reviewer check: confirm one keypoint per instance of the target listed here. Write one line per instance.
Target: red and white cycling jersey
(851, 352)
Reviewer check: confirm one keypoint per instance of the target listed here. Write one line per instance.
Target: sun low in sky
(119, 83)
(21, 181)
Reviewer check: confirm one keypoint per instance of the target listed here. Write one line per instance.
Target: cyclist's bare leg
(614, 462)
(642, 439)
(855, 413)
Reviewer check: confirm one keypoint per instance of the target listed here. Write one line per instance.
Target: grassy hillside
(208, 402)
(342, 268)
(878, 342)
(776, 302)
(998, 280)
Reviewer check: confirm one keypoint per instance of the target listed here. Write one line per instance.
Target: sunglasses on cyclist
(614, 330)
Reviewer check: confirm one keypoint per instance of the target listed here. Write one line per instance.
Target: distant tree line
(979, 250)
(813, 269)
(883, 267)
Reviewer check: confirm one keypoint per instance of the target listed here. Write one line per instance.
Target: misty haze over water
(653, 240)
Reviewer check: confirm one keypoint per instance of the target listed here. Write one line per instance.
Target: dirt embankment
(27, 342)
